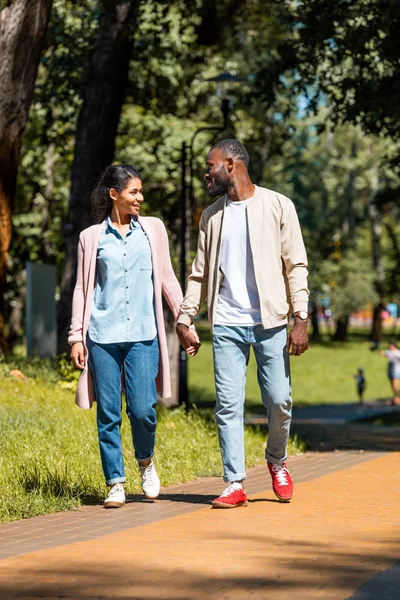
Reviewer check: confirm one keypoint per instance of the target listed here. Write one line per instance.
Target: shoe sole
(113, 504)
(283, 499)
(222, 505)
(151, 497)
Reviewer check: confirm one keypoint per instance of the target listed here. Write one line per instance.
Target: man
(251, 264)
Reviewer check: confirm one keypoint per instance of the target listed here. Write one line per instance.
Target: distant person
(252, 265)
(393, 356)
(361, 384)
(117, 332)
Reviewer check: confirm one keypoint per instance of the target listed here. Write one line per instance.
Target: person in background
(361, 384)
(251, 264)
(393, 356)
(117, 333)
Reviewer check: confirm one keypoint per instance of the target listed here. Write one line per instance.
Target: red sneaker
(233, 496)
(282, 483)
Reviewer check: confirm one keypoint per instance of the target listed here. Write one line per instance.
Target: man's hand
(188, 338)
(297, 341)
(78, 355)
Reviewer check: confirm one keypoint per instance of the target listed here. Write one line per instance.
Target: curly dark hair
(114, 176)
(234, 149)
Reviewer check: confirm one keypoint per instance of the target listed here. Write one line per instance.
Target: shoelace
(281, 474)
(147, 473)
(115, 490)
(233, 487)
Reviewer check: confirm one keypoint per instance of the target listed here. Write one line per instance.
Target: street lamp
(187, 201)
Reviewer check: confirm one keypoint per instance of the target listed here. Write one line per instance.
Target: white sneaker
(150, 481)
(116, 496)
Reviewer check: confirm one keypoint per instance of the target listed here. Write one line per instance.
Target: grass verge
(49, 457)
(323, 375)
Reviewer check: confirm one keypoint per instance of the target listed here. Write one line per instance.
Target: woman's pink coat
(165, 283)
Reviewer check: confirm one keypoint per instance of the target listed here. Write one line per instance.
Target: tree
(348, 52)
(103, 97)
(350, 287)
(23, 25)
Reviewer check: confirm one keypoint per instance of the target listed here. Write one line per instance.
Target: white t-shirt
(238, 300)
(393, 356)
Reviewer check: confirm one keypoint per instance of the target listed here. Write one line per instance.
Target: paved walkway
(335, 414)
(339, 538)
(342, 426)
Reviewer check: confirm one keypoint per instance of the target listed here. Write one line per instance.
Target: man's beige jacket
(279, 258)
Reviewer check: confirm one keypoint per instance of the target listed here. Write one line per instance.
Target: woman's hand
(188, 338)
(78, 355)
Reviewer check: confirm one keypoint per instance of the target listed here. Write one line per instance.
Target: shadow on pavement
(348, 436)
(303, 569)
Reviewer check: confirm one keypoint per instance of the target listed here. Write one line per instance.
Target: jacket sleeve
(169, 283)
(294, 257)
(196, 291)
(78, 300)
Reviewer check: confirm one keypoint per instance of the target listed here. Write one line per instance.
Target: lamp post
(187, 200)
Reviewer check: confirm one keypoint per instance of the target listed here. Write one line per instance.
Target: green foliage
(283, 52)
(350, 284)
(349, 52)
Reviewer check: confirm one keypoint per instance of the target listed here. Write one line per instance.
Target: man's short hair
(234, 149)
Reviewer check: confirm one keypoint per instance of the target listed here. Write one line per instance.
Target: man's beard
(222, 184)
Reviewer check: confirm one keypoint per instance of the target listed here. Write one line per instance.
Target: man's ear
(229, 164)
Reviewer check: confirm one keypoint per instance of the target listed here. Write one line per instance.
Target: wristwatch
(302, 315)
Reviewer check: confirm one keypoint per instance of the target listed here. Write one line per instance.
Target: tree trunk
(23, 25)
(376, 329)
(103, 97)
(341, 329)
(377, 264)
(315, 336)
(395, 270)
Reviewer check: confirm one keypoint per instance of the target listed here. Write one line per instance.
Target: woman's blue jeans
(135, 366)
(231, 349)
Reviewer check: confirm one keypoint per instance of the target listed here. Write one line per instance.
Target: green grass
(324, 374)
(49, 457)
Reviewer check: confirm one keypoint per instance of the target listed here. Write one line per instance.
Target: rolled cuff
(74, 340)
(300, 306)
(184, 319)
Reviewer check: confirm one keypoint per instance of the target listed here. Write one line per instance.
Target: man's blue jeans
(231, 348)
(136, 365)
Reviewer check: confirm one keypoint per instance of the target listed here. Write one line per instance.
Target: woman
(393, 356)
(117, 331)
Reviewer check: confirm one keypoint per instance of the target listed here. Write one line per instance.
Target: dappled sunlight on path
(338, 532)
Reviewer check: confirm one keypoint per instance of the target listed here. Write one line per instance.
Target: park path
(338, 538)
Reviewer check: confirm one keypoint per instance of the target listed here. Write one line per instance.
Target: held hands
(297, 341)
(78, 355)
(188, 338)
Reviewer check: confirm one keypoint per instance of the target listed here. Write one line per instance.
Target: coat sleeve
(196, 291)
(78, 300)
(169, 283)
(294, 256)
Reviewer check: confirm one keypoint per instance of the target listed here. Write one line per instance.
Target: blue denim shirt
(123, 309)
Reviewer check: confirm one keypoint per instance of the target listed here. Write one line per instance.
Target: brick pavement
(327, 543)
(91, 522)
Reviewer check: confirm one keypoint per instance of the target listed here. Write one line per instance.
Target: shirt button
(126, 270)
(128, 319)
(124, 253)
(127, 301)
(126, 287)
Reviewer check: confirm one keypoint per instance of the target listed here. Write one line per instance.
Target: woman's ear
(113, 194)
